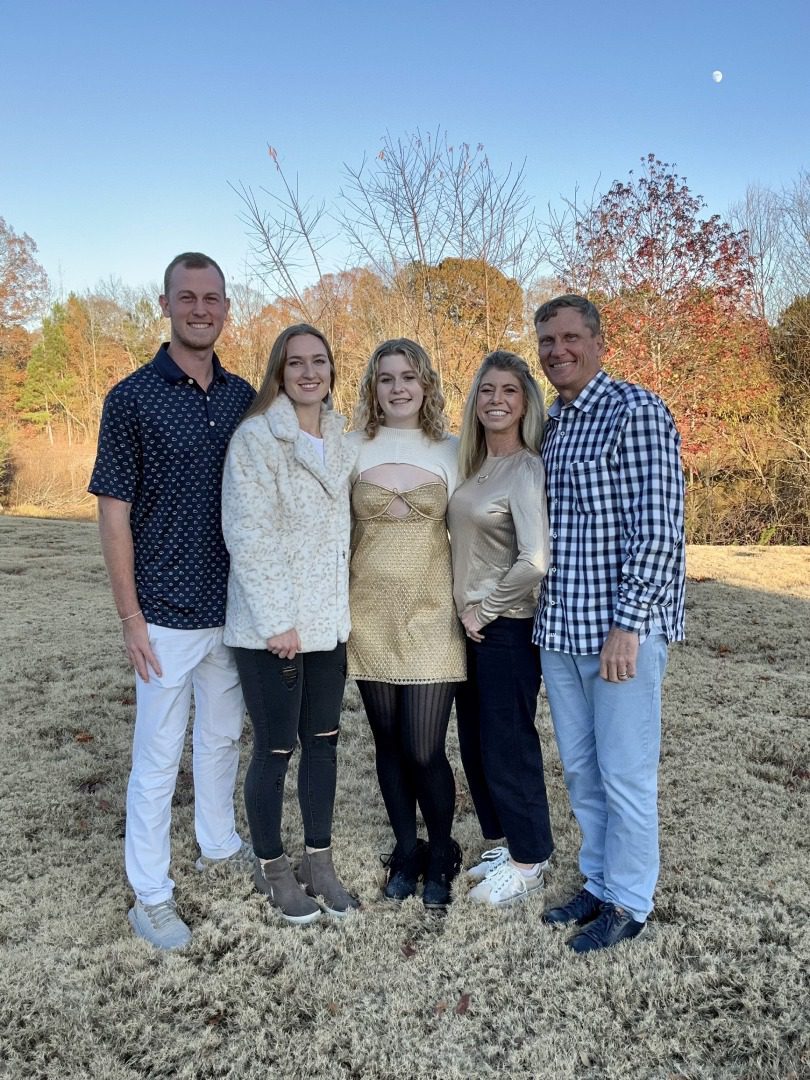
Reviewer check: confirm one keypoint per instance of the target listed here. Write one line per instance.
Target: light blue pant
(609, 737)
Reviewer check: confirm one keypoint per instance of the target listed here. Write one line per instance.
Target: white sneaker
(490, 861)
(241, 861)
(506, 884)
(159, 924)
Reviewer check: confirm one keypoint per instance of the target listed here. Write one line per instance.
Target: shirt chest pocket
(592, 483)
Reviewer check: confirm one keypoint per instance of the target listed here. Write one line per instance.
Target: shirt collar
(585, 400)
(167, 368)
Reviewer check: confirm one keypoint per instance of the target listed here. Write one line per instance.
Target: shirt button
(553, 570)
(552, 603)
(210, 423)
(553, 536)
(190, 382)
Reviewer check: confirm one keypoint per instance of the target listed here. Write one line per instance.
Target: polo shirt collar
(167, 368)
(585, 400)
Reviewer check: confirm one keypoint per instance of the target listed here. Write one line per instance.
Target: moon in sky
(717, 76)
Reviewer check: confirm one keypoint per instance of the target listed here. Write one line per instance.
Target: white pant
(198, 660)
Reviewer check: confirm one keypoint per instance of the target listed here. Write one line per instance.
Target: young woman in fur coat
(285, 515)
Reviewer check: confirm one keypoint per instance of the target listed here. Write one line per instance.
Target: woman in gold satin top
(499, 530)
(406, 647)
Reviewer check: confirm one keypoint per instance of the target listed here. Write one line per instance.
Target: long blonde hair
(472, 444)
(368, 416)
(274, 374)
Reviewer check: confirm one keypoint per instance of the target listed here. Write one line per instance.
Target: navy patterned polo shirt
(161, 448)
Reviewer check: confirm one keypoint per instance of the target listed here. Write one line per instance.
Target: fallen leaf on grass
(462, 1005)
(440, 1008)
(83, 736)
(215, 1019)
(90, 787)
(407, 949)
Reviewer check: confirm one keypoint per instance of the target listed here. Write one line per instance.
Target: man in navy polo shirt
(158, 477)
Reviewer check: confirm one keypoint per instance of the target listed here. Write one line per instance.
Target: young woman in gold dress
(406, 648)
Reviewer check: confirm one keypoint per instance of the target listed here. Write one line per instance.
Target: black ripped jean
(289, 701)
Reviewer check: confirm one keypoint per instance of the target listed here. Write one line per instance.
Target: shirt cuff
(630, 617)
(484, 617)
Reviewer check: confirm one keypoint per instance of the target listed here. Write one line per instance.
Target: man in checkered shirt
(611, 602)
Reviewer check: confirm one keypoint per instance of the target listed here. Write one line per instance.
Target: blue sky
(121, 126)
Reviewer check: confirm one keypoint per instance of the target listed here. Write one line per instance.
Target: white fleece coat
(286, 522)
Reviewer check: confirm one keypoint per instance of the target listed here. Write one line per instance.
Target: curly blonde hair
(368, 415)
(472, 441)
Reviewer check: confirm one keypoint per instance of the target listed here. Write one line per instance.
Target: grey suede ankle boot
(317, 874)
(277, 880)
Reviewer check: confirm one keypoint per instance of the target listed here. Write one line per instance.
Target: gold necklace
(485, 476)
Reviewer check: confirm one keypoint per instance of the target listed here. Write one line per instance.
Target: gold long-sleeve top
(498, 524)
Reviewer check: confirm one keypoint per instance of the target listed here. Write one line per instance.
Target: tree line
(712, 314)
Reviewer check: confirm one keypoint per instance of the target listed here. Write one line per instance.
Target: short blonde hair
(472, 444)
(368, 415)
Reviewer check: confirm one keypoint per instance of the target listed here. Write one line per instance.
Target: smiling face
(307, 371)
(501, 404)
(399, 391)
(197, 307)
(570, 353)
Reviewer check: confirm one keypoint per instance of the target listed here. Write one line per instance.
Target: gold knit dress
(404, 624)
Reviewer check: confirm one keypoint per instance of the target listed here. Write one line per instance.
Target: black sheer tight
(409, 725)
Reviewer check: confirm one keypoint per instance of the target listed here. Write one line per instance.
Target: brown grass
(49, 479)
(717, 989)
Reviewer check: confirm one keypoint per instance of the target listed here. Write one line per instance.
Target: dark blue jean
(500, 747)
(291, 701)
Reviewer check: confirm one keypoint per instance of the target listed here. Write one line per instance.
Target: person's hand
(617, 660)
(472, 625)
(285, 645)
(139, 649)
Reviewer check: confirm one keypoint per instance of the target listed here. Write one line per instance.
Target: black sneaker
(583, 908)
(405, 870)
(613, 925)
(443, 866)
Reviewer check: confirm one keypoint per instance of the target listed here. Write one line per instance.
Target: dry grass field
(717, 988)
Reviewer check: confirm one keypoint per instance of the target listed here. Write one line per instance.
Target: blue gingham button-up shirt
(615, 494)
